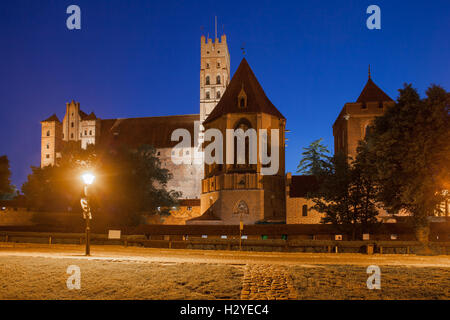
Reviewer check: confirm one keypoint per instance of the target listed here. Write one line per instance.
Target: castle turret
(51, 140)
(214, 73)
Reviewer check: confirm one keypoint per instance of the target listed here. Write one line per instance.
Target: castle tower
(214, 73)
(351, 125)
(241, 190)
(51, 140)
(89, 130)
(71, 122)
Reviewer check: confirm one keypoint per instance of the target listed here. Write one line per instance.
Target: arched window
(207, 65)
(305, 210)
(48, 146)
(48, 133)
(207, 95)
(207, 80)
(72, 124)
(243, 124)
(242, 103)
(90, 132)
(71, 135)
(218, 64)
(218, 79)
(218, 94)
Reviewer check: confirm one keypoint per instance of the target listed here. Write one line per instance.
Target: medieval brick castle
(228, 193)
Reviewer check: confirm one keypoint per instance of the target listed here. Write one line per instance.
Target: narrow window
(305, 210)
(47, 156)
(71, 135)
(85, 132)
(90, 132)
(48, 133)
(207, 95)
(218, 64)
(242, 103)
(218, 94)
(48, 146)
(218, 79)
(207, 80)
(72, 124)
(207, 66)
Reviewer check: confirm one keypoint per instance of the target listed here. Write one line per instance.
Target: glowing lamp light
(88, 178)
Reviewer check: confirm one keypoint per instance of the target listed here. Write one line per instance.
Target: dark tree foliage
(128, 184)
(5, 178)
(346, 196)
(408, 153)
(315, 158)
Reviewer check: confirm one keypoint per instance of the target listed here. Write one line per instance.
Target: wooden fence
(325, 246)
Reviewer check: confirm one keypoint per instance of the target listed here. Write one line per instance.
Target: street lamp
(88, 179)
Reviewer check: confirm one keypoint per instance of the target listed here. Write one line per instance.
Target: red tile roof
(153, 131)
(372, 93)
(302, 185)
(91, 116)
(51, 119)
(257, 101)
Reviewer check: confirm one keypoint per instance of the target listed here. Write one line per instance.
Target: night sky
(141, 58)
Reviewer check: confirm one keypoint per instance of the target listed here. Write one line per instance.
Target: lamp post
(241, 227)
(88, 179)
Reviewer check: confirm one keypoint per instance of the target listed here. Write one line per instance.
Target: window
(207, 66)
(305, 210)
(218, 64)
(85, 132)
(218, 95)
(48, 146)
(48, 133)
(242, 103)
(207, 95)
(71, 135)
(218, 79)
(90, 132)
(207, 80)
(47, 156)
(72, 124)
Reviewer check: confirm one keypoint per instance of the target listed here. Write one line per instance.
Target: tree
(346, 196)
(409, 148)
(315, 158)
(5, 178)
(128, 185)
(132, 185)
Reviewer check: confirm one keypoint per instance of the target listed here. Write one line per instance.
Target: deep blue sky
(141, 58)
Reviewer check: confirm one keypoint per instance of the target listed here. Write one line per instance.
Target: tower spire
(369, 71)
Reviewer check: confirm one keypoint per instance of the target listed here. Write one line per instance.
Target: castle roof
(301, 185)
(153, 131)
(52, 118)
(91, 116)
(372, 93)
(244, 80)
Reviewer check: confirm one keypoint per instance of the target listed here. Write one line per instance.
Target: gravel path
(33, 272)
